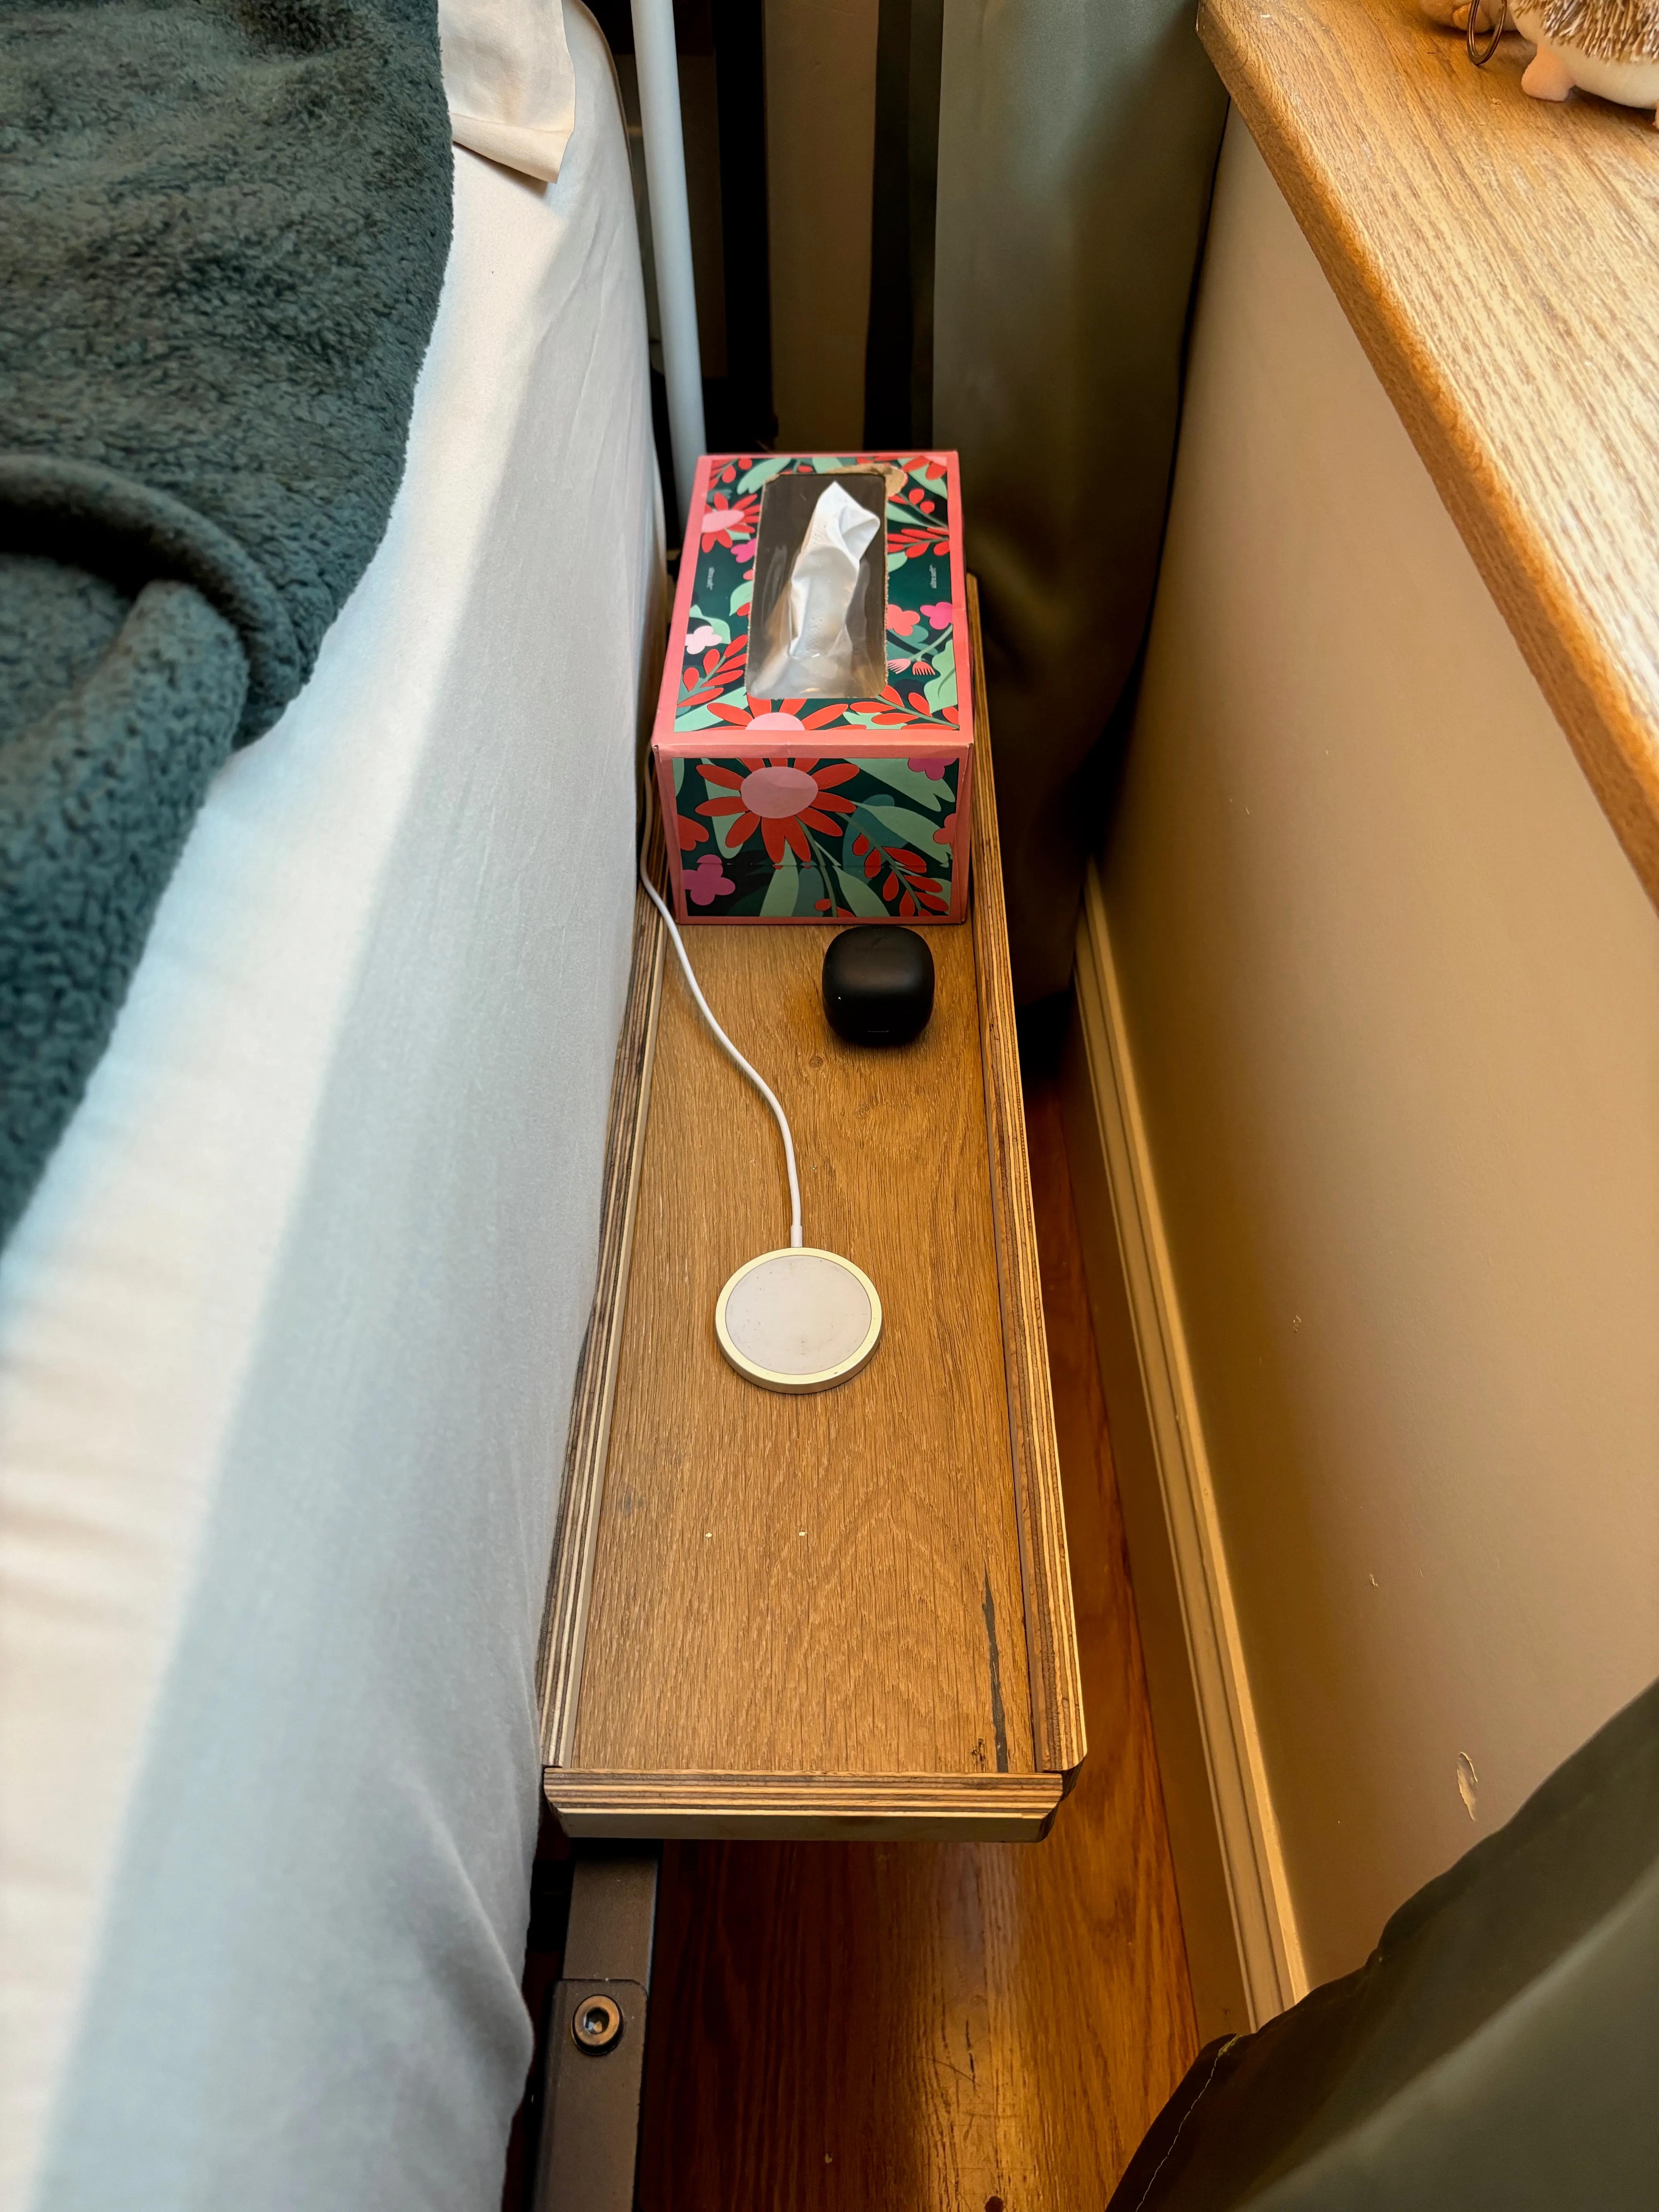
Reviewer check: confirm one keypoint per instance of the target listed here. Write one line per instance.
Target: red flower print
(907, 882)
(920, 535)
(782, 796)
(727, 522)
(932, 765)
(690, 834)
(891, 712)
(903, 619)
(721, 667)
(780, 722)
(705, 883)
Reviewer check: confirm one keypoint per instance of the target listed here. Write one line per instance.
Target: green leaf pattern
(878, 824)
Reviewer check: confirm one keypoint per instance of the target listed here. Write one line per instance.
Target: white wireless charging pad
(798, 1320)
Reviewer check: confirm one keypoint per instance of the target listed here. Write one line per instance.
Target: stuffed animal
(1610, 47)
(1454, 15)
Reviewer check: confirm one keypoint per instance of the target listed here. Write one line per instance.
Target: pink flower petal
(705, 883)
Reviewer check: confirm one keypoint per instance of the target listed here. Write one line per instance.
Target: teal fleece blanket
(223, 226)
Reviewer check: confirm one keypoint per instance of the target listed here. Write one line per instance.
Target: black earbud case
(877, 986)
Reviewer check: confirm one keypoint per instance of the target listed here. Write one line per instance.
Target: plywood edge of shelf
(1308, 84)
(559, 1658)
(1058, 1737)
(845, 1808)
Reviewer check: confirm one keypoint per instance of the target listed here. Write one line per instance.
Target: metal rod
(671, 236)
(593, 2062)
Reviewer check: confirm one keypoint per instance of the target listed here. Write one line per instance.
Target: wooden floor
(912, 2028)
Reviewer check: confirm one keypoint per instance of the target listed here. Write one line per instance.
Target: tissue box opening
(771, 668)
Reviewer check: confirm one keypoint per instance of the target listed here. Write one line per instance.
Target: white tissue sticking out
(817, 660)
(825, 573)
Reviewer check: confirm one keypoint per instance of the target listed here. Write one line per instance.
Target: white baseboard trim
(1217, 1693)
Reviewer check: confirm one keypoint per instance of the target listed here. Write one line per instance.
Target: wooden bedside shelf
(846, 1614)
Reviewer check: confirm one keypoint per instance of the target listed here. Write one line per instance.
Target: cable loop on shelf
(730, 1050)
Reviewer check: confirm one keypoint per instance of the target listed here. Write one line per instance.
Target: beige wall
(1392, 994)
(820, 128)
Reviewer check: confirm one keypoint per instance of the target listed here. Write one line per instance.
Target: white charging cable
(764, 1089)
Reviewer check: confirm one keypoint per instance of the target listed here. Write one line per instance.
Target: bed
(289, 1332)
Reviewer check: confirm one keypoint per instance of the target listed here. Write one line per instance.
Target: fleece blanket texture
(223, 226)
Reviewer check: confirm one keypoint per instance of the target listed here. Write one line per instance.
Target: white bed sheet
(288, 1333)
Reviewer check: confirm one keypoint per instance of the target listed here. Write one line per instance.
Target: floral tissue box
(842, 792)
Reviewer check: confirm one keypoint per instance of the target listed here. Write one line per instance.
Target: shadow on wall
(1077, 149)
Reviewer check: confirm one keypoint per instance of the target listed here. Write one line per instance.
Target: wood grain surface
(1494, 255)
(826, 1585)
(850, 1807)
(558, 1659)
(912, 2028)
(1058, 1736)
(832, 1585)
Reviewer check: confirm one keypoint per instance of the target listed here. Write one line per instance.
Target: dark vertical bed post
(748, 423)
(595, 2054)
(594, 2063)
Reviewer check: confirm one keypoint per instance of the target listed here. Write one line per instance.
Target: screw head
(596, 2023)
